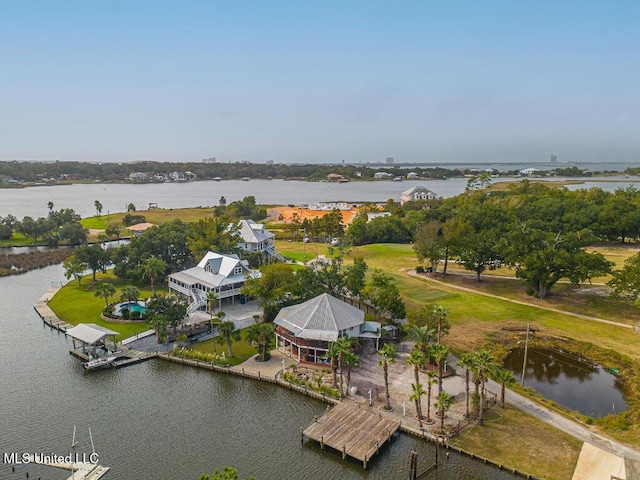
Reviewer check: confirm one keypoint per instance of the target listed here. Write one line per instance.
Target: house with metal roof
(304, 331)
(256, 238)
(223, 274)
(417, 193)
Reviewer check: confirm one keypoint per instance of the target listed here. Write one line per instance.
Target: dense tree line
(58, 227)
(118, 172)
(539, 230)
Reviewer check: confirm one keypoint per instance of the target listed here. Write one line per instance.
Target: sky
(320, 81)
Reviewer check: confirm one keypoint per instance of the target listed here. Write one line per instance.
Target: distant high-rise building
(554, 158)
(389, 160)
(269, 162)
(209, 160)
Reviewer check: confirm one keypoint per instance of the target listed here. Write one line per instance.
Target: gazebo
(304, 331)
(91, 335)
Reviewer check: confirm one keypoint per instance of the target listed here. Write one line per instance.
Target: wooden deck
(352, 429)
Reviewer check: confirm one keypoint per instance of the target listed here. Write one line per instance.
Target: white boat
(99, 362)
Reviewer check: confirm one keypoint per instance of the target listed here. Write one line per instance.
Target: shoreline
(254, 373)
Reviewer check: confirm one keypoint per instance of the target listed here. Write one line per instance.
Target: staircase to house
(199, 300)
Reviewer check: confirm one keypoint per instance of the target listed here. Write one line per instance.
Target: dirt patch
(288, 214)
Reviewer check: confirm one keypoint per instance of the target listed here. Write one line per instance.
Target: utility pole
(524, 362)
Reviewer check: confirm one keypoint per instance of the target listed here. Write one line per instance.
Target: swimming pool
(120, 308)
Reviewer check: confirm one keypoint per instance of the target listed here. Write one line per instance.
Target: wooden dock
(79, 470)
(352, 429)
(125, 357)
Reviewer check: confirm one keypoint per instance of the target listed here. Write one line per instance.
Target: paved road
(566, 425)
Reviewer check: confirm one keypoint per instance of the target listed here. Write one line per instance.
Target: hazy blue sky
(320, 81)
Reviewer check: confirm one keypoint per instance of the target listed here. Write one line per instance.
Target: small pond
(572, 382)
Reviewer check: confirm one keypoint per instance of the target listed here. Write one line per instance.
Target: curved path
(519, 302)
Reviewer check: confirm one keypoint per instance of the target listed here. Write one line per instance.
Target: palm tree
(482, 368)
(389, 354)
(50, 206)
(219, 317)
(421, 335)
(153, 269)
(261, 335)
(130, 294)
(431, 379)
(506, 379)
(440, 354)
(440, 314)
(416, 359)
(98, 206)
(333, 354)
(105, 290)
(212, 298)
(351, 359)
(343, 345)
(416, 396)
(229, 332)
(444, 403)
(466, 361)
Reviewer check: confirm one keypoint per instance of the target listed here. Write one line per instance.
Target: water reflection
(571, 381)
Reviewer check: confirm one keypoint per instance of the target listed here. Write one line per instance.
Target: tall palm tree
(440, 314)
(440, 354)
(153, 269)
(416, 396)
(389, 354)
(416, 359)
(219, 316)
(333, 354)
(483, 366)
(105, 290)
(506, 379)
(212, 298)
(432, 377)
(421, 335)
(351, 359)
(343, 345)
(229, 332)
(466, 361)
(444, 403)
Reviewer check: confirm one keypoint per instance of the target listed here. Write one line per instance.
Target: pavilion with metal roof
(91, 335)
(304, 331)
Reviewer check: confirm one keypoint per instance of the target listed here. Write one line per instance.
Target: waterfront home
(304, 331)
(223, 274)
(256, 238)
(417, 193)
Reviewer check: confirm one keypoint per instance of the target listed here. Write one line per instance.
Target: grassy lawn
(155, 216)
(242, 350)
(523, 442)
(77, 304)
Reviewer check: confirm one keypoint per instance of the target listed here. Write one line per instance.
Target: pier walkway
(352, 429)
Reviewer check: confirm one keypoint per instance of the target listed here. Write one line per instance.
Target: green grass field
(242, 350)
(78, 304)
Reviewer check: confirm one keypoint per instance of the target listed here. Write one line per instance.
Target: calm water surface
(577, 385)
(115, 197)
(164, 421)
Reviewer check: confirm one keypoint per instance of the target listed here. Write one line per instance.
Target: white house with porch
(223, 274)
(256, 238)
(304, 331)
